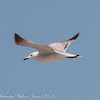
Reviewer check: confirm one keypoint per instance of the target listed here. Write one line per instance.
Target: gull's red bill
(26, 58)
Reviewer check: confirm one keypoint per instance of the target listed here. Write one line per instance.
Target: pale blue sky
(47, 21)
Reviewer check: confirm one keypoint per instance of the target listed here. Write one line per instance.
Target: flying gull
(47, 53)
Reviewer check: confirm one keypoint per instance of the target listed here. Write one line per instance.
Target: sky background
(45, 22)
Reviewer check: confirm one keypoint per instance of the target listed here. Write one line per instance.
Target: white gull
(47, 53)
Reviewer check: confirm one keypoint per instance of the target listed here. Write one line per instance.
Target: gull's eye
(31, 55)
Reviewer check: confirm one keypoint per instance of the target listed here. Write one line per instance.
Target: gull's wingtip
(78, 33)
(75, 56)
(17, 39)
(79, 56)
(15, 34)
(75, 37)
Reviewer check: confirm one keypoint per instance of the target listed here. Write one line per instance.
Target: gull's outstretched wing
(62, 46)
(39, 47)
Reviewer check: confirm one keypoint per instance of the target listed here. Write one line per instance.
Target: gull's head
(31, 56)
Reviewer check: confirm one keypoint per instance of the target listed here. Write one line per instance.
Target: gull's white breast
(49, 57)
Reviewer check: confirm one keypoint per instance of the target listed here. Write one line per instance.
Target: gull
(47, 53)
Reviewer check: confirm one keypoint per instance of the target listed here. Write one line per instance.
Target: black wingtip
(77, 55)
(17, 39)
(73, 38)
(74, 56)
(16, 35)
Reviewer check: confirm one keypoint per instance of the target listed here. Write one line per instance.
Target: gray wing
(39, 47)
(62, 46)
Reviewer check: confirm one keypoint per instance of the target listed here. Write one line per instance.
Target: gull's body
(47, 53)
